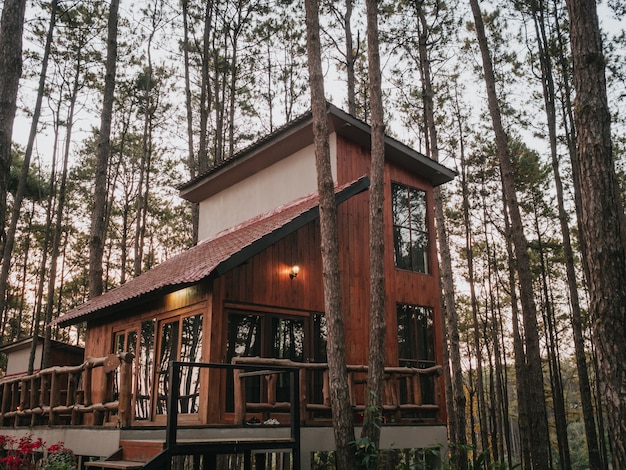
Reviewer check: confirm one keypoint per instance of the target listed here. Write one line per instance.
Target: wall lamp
(293, 272)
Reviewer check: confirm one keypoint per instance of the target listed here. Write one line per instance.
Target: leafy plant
(59, 458)
(366, 451)
(28, 454)
(364, 448)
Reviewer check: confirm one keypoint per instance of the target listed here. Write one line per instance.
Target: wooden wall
(264, 280)
(100, 333)
(401, 286)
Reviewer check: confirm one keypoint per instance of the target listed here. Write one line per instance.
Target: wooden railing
(209, 448)
(66, 393)
(402, 396)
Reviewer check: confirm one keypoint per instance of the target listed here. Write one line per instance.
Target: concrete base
(102, 442)
(316, 439)
(93, 442)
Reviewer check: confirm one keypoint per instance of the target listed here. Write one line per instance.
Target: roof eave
(228, 264)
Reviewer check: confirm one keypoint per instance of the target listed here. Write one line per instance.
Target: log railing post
(125, 391)
(54, 397)
(302, 378)
(24, 395)
(87, 374)
(5, 401)
(239, 395)
(34, 398)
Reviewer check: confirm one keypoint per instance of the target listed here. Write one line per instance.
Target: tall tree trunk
(19, 195)
(46, 242)
(97, 234)
(476, 336)
(143, 189)
(498, 392)
(350, 59)
(11, 27)
(558, 401)
(448, 307)
(206, 99)
(549, 94)
(377, 327)
(16, 334)
(603, 217)
(504, 383)
(5, 126)
(191, 157)
(537, 415)
(340, 401)
(521, 368)
(58, 227)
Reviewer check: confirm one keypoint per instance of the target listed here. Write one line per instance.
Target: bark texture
(97, 233)
(546, 63)
(11, 28)
(449, 313)
(376, 359)
(602, 217)
(340, 400)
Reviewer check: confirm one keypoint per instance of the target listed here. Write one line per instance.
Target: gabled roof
(211, 257)
(26, 343)
(296, 135)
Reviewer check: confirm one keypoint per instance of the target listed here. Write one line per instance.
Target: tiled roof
(216, 255)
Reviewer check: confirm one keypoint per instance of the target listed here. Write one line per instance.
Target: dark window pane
(410, 228)
(190, 351)
(244, 336)
(425, 333)
(244, 339)
(418, 209)
(416, 345)
(169, 339)
(419, 252)
(287, 343)
(405, 340)
(287, 339)
(320, 332)
(145, 370)
(400, 205)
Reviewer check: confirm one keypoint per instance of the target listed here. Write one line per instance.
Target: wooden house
(250, 292)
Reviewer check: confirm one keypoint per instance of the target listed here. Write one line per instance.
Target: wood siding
(263, 282)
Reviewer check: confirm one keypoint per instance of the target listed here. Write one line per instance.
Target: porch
(57, 402)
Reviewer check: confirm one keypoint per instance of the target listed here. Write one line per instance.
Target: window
(189, 337)
(410, 228)
(180, 340)
(279, 336)
(416, 343)
(132, 339)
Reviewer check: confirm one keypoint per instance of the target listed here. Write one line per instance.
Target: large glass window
(416, 343)
(298, 338)
(189, 337)
(410, 228)
(138, 339)
(179, 340)
(145, 370)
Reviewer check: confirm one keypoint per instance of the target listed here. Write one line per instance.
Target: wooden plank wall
(401, 286)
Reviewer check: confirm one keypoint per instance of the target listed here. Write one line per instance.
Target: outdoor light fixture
(293, 272)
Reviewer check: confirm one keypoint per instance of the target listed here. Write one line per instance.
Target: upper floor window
(410, 228)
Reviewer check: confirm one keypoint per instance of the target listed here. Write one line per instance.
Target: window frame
(414, 232)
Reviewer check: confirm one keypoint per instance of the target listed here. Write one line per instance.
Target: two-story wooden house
(251, 291)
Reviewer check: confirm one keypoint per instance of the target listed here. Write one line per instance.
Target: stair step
(119, 464)
(140, 450)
